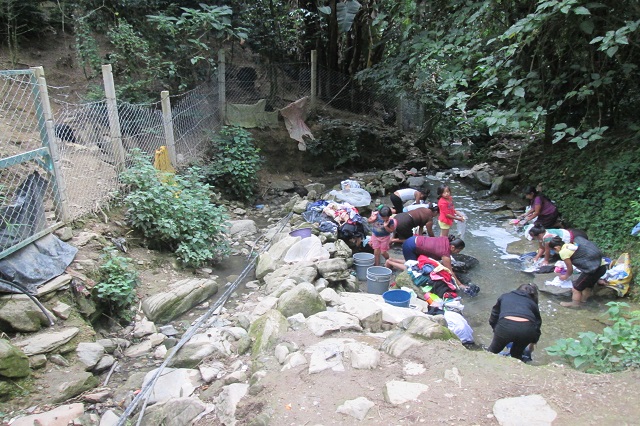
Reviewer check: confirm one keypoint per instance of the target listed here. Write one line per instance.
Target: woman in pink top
(448, 211)
(541, 209)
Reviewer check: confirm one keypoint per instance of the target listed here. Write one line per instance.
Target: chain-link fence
(88, 144)
(29, 198)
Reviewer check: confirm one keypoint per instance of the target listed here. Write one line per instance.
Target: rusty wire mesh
(27, 201)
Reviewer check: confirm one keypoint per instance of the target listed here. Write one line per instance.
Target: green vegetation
(175, 212)
(233, 162)
(617, 348)
(117, 282)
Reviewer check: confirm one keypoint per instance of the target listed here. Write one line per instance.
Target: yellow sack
(161, 160)
(619, 275)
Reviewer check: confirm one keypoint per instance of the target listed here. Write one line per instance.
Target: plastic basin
(398, 298)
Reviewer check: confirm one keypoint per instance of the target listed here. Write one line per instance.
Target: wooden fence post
(167, 121)
(114, 119)
(314, 78)
(222, 94)
(59, 187)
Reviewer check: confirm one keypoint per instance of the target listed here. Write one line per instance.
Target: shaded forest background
(561, 74)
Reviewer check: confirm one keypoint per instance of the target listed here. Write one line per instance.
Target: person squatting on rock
(406, 221)
(544, 236)
(438, 248)
(515, 318)
(587, 257)
(541, 209)
(382, 226)
(447, 209)
(401, 196)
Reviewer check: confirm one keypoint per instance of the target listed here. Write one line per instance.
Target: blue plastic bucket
(378, 279)
(362, 261)
(302, 233)
(399, 298)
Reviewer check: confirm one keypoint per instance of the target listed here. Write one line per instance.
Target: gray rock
(363, 357)
(357, 408)
(318, 187)
(264, 305)
(13, 362)
(299, 272)
(530, 410)
(89, 353)
(282, 185)
(21, 314)
(104, 364)
(280, 248)
(483, 177)
(416, 181)
(143, 328)
(168, 330)
(300, 207)
(109, 418)
(286, 286)
(59, 416)
(332, 298)
(45, 342)
(58, 359)
(182, 296)
(266, 331)
(62, 310)
(110, 345)
(75, 385)
(37, 361)
(327, 322)
(173, 383)
(242, 227)
(227, 402)
(65, 233)
(398, 392)
(302, 299)
(265, 265)
(176, 412)
(369, 314)
(333, 269)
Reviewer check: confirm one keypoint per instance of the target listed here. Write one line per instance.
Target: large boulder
(13, 362)
(280, 248)
(265, 265)
(173, 383)
(415, 331)
(266, 331)
(327, 322)
(242, 227)
(59, 416)
(303, 299)
(74, 385)
(334, 269)
(182, 296)
(19, 313)
(301, 272)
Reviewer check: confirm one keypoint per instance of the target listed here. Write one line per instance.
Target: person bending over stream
(587, 257)
(406, 221)
(544, 236)
(438, 248)
(541, 209)
(516, 318)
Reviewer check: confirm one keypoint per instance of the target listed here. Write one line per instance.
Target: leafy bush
(616, 348)
(117, 282)
(234, 162)
(175, 212)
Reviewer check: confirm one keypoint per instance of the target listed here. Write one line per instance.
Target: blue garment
(377, 227)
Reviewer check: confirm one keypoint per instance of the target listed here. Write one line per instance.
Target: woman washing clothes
(587, 257)
(516, 318)
(541, 210)
(438, 248)
(401, 196)
(406, 221)
(544, 237)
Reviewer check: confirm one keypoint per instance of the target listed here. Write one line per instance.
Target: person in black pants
(516, 318)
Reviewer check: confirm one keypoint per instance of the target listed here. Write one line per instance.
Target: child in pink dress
(382, 226)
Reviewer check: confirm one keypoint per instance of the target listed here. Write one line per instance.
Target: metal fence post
(314, 77)
(48, 135)
(167, 121)
(114, 120)
(222, 95)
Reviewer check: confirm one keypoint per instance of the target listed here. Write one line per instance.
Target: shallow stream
(487, 237)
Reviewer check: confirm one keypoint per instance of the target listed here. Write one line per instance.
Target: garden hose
(23, 290)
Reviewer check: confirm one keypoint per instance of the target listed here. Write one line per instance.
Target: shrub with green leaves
(234, 162)
(617, 348)
(117, 282)
(175, 212)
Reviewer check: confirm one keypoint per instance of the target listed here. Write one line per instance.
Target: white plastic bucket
(378, 279)
(362, 261)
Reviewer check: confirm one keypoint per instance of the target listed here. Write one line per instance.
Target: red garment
(446, 207)
(425, 260)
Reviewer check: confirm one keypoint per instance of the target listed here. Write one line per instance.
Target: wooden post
(222, 94)
(59, 188)
(167, 121)
(314, 78)
(114, 119)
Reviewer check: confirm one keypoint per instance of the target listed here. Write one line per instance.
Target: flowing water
(498, 272)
